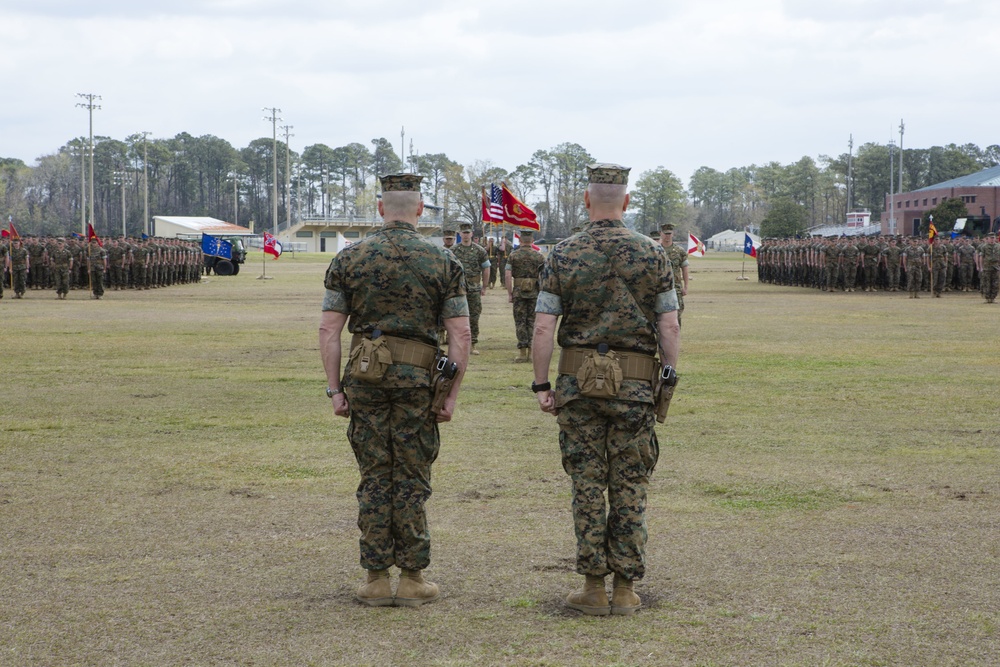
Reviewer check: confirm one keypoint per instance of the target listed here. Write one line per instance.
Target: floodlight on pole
(288, 176)
(90, 106)
(145, 184)
(274, 118)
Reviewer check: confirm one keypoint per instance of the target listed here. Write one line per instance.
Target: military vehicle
(220, 265)
(976, 225)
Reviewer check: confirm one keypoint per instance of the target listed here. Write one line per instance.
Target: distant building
(174, 226)
(729, 241)
(333, 234)
(979, 191)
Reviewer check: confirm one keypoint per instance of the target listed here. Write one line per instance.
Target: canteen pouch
(600, 375)
(370, 360)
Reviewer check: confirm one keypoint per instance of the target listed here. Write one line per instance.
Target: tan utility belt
(525, 283)
(405, 351)
(634, 366)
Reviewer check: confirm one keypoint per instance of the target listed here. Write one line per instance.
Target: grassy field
(174, 488)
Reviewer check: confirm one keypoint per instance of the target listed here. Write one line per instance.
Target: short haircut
(399, 204)
(607, 193)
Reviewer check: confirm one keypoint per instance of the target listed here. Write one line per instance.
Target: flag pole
(263, 265)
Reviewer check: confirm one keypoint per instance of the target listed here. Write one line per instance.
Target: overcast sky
(645, 83)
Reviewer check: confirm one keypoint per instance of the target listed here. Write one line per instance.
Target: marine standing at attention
(476, 263)
(678, 264)
(521, 278)
(614, 290)
(391, 289)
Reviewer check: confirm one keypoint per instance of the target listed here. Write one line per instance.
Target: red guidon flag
(516, 212)
(272, 246)
(485, 205)
(92, 235)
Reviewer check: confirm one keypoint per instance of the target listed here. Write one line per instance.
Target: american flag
(496, 203)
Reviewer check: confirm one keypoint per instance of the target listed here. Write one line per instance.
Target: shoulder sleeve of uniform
(548, 279)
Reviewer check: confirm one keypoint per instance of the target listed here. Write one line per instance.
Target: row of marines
(125, 263)
(889, 264)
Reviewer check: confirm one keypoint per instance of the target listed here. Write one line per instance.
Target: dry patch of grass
(174, 488)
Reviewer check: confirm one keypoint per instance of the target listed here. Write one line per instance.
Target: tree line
(208, 176)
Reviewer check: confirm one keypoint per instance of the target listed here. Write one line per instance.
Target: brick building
(980, 192)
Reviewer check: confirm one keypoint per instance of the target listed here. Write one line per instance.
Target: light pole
(274, 158)
(90, 106)
(288, 176)
(145, 185)
(120, 180)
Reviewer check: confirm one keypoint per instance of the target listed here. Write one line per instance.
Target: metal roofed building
(979, 191)
(177, 226)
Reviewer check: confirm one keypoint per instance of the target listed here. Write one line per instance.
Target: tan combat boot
(413, 590)
(474, 350)
(624, 601)
(376, 592)
(592, 600)
(522, 355)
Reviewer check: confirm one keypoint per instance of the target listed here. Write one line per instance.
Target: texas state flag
(749, 247)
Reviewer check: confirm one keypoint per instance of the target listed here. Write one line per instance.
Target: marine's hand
(547, 401)
(341, 408)
(447, 410)
(482, 291)
(510, 298)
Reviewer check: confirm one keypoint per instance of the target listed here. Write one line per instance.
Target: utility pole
(402, 146)
(120, 178)
(288, 176)
(850, 173)
(274, 158)
(892, 213)
(900, 155)
(90, 106)
(145, 185)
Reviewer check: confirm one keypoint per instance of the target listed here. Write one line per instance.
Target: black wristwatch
(545, 386)
(330, 393)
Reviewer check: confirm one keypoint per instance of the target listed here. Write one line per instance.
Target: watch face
(329, 392)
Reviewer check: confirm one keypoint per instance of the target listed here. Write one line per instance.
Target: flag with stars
(749, 247)
(216, 247)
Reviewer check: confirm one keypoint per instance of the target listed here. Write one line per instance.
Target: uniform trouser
(140, 275)
(475, 298)
(965, 274)
(62, 279)
(609, 445)
(870, 275)
(20, 280)
(989, 281)
(850, 275)
(493, 273)
(97, 280)
(940, 278)
(831, 277)
(914, 278)
(395, 440)
(893, 272)
(524, 320)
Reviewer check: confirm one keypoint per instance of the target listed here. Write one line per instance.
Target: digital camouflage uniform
(678, 260)
(850, 257)
(892, 256)
(19, 269)
(61, 258)
(392, 431)
(989, 277)
(966, 264)
(608, 444)
(3, 266)
(939, 267)
(524, 264)
(474, 259)
(914, 268)
(96, 257)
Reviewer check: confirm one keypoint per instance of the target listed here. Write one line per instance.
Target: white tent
(173, 226)
(729, 240)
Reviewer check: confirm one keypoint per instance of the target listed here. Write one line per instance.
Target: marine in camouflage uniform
(3, 265)
(891, 257)
(914, 260)
(939, 266)
(521, 278)
(398, 284)
(833, 251)
(97, 261)
(850, 256)
(678, 263)
(476, 263)
(988, 263)
(62, 265)
(610, 286)
(18, 263)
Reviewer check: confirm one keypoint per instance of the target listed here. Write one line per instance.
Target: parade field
(174, 488)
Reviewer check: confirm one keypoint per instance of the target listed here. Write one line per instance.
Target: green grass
(174, 488)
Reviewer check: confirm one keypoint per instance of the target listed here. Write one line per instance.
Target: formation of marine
(876, 263)
(63, 264)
